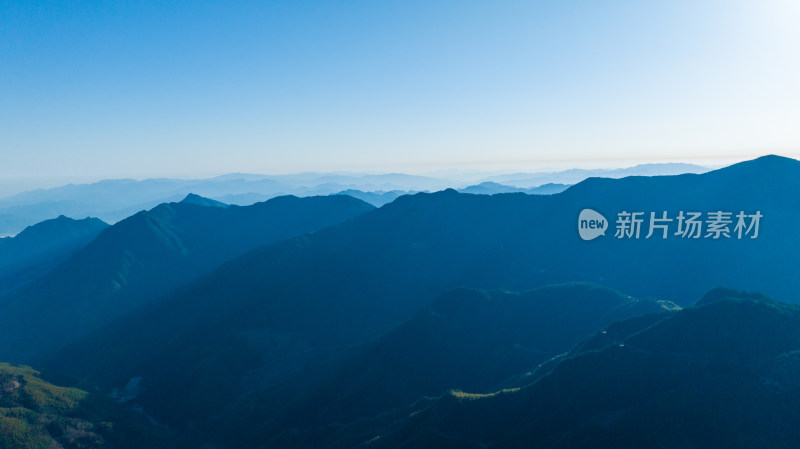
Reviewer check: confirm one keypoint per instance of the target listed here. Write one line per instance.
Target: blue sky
(138, 89)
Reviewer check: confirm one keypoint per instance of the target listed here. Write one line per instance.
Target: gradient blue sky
(194, 88)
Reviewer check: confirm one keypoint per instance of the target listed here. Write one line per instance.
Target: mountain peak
(62, 223)
(774, 158)
(202, 201)
(772, 164)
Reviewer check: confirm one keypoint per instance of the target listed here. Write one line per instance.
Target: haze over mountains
(443, 319)
(114, 200)
(399, 225)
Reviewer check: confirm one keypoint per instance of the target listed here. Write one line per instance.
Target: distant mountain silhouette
(115, 199)
(202, 201)
(40, 247)
(721, 374)
(285, 307)
(244, 199)
(576, 175)
(547, 189)
(491, 188)
(145, 256)
(378, 198)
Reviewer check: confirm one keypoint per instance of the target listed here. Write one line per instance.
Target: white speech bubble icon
(591, 224)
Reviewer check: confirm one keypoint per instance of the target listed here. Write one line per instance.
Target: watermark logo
(591, 224)
(715, 225)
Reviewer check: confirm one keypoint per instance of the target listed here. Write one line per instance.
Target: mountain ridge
(115, 199)
(150, 253)
(289, 305)
(41, 247)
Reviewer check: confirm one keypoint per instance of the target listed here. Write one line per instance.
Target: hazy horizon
(10, 186)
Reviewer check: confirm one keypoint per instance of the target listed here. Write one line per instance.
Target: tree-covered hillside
(35, 414)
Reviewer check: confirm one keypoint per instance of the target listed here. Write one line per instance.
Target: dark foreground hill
(721, 374)
(144, 256)
(39, 248)
(260, 319)
(468, 340)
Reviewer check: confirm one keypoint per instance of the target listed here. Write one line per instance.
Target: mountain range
(115, 199)
(491, 188)
(443, 319)
(257, 321)
(146, 256)
(576, 175)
